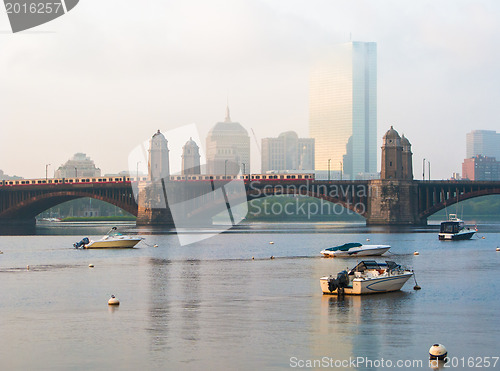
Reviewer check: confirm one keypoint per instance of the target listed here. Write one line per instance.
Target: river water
(209, 306)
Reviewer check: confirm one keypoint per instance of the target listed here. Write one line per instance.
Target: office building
(287, 152)
(483, 142)
(228, 148)
(481, 168)
(343, 110)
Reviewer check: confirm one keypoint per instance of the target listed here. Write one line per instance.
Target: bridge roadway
(379, 201)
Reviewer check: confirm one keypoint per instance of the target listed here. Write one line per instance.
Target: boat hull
(359, 286)
(117, 244)
(456, 236)
(356, 251)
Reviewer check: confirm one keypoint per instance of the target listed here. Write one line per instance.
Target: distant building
(396, 157)
(228, 148)
(483, 142)
(80, 165)
(190, 158)
(287, 152)
(481, 168)
(343, 110)
(158, 161)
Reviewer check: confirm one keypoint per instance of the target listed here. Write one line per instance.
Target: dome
(158, 135)
(392, 134)
(191, 144)
(405, 142)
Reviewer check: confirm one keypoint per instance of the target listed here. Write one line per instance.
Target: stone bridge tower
(394, 198)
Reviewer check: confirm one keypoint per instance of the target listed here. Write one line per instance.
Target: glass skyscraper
(343, 109)
(484, 143)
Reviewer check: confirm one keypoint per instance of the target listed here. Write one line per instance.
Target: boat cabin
(450, 227)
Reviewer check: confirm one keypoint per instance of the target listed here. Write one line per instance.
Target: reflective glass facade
(343, 109)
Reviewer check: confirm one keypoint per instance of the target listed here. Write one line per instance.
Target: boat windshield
(450, 227)
(364, 265)
(345, 247)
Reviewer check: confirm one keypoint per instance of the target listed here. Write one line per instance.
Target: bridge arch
(450, 196)
(30, 205)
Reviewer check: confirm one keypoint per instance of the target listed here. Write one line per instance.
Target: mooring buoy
(416, 253)
(368, 239)
(272, 256)
(91, 265)
(271, 243)
(155, 245)
(113, 301)
(438, 351)
(498, 248)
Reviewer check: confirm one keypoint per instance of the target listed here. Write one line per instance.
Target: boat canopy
(344, 247)
(364, 265)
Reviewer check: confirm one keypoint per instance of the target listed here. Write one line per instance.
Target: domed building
(228, 148)
(190, 158)
(396, 157)
(158, 161)
(80, 165)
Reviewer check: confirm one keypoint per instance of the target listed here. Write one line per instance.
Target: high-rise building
(80, 165)
(158, 161)
(190, 158)
(484, 143)
(228, 148)
(481, 168)
(343, 109)
(287, 152)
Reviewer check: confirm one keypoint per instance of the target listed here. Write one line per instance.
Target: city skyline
(88, 91)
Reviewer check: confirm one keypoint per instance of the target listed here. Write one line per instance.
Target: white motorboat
(113, 239)
(368, 277)
(355, 249)
(455, 229)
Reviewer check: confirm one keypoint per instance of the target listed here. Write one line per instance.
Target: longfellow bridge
(389, 202)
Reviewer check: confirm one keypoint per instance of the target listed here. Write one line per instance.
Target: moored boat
(367, 277)
(454, 229)
(355, 249)
(113, 239)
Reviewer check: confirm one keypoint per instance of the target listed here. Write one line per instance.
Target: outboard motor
(343, 279)
(83, 242)
(332, 284)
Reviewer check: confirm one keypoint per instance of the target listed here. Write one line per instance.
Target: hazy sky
(107, 75)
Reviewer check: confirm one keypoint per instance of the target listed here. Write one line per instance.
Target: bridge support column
(153, 206)
(393, 202)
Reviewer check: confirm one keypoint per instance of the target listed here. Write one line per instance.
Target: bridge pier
(393, 202)
(153, 206)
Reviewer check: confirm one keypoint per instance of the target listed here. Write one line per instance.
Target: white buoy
(416, 253)
(28, 267)
(91, 265)
(271, 243)
(1, 252)
(498, 248)
(438, 351)
(113, 301)
(368, 239)
(253, 258)
(155, 245)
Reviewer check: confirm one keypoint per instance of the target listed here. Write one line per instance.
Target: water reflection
(366, 326)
